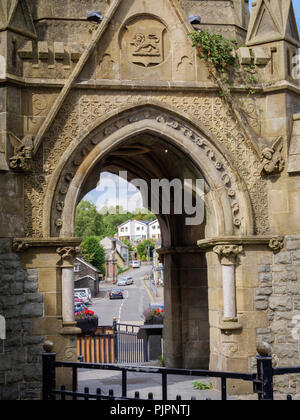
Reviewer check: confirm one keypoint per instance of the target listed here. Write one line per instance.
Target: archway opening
(173, 188)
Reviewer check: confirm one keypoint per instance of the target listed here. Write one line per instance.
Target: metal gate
(116, 344)
(128, 347)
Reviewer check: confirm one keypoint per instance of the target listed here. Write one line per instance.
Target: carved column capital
(68, 255)
(228, 253)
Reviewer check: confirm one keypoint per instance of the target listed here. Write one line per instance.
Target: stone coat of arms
(143, 42)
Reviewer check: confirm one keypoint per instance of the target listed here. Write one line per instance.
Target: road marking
(121, 307)
(148, 291)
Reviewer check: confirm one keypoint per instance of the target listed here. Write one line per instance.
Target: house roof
(82, 261)
(117, 241)
(143, 222)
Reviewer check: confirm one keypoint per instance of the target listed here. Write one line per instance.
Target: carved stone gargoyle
(272, 159)
(22, 152)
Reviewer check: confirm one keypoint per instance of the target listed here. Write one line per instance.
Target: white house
(137, 230)
(154, 230)
(134, 230)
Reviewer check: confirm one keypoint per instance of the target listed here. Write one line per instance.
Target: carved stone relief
(143, 42)
(83, 108)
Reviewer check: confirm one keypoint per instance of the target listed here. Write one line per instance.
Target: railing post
(49, 374)
(115, 328)
(265, 372)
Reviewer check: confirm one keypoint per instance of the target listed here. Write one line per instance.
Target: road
(131, 308)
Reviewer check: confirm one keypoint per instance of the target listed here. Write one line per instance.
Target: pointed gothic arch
(229, 199)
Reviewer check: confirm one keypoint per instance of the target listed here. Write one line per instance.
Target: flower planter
(88, 325)
(155, 320)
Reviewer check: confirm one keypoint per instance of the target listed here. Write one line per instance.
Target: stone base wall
(20, 303)
(279, 296)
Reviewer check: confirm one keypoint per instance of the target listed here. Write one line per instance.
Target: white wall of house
(136, 230)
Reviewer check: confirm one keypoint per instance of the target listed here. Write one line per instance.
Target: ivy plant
(219, 55)
(216, 51)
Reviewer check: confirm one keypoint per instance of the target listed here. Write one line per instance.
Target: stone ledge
(228, 326)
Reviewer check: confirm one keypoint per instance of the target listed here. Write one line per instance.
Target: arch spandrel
(229, 201)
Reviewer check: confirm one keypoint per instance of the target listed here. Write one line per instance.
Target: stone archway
(230, 202)
(228, 212)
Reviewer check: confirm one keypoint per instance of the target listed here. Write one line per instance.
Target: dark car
(116, 294)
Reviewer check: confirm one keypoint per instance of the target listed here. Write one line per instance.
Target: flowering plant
(84, 314)
(151, 314)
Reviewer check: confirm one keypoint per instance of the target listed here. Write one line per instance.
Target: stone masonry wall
(20, 303)
(279, 296)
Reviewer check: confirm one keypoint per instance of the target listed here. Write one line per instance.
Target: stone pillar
(68, 255)
(186, 329)
(228, 258)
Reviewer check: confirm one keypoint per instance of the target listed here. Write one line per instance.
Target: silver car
(122, 282)
(129, 280)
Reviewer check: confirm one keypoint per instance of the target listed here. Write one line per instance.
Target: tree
(89, 221)
(93, 252)
(145, 249)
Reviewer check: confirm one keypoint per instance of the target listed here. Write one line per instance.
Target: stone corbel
(68, 255)
(277, 244)
(19, 245)
(272, 159)
(23, 152)
(228, 255)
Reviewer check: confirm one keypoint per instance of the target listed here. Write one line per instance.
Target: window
(76, 268)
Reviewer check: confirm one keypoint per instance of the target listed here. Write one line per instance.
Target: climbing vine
(219, 55)
(221, 59)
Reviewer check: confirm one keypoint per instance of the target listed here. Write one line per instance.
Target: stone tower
(227, 17)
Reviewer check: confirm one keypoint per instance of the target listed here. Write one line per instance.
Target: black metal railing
(50, 392)
(263, 379)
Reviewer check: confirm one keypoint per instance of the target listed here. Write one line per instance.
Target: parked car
(122, 282)
(136, 264)
(129, 280)
(125, 281)
(84, 294)
(116, 294)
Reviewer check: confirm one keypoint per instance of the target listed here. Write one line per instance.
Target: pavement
(130, 310)
(145, 383)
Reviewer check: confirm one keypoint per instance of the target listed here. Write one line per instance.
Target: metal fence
(116, 344)
(262, 380)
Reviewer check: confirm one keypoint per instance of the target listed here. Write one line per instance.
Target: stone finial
(48, 346)
(277, 243)
(264, 349)
(228, 253)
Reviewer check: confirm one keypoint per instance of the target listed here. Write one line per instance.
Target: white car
(122, 282)
(129, 280)
(84, 294)
(136, 264)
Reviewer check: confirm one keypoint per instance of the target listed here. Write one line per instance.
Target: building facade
(130, 92)
(86, 276)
